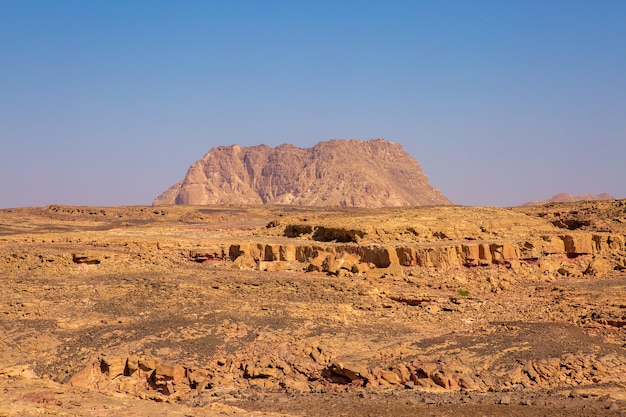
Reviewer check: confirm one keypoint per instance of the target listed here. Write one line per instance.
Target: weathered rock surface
(374, 173)
(305, 311)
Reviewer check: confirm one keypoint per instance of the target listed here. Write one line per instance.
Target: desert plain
(297, 311)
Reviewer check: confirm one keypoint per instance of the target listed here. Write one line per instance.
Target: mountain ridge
(569, 198)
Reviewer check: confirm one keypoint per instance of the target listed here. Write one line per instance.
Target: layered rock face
(355, 173)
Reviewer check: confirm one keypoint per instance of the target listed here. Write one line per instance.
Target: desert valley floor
(295, 311)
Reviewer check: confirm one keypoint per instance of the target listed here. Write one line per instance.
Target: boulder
(87, 258)
(598, 266)
(348, 260)
(361, 268)
(244, 262)
(332, 265)
(317, 263)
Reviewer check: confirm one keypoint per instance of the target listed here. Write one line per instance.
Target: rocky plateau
(290, 310)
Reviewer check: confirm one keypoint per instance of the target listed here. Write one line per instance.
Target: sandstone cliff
(374, 173)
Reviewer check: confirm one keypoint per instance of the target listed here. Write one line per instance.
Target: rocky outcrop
(374, 173)
(310, 365)
(567, 254)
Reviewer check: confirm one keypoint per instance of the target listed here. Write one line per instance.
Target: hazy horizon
(109, 103)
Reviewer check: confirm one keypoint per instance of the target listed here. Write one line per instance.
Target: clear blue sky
(108, 102)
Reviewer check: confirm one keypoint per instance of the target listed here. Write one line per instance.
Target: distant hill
(373, 173)
(568, 198)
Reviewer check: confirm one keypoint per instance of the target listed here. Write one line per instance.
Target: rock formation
(568, 198)
(374, 173)
(196, 310)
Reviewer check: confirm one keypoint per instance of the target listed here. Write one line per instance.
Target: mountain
(568, 198)
(373, 173)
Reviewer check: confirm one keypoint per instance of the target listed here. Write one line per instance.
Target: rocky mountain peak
(373, 173)
(568, 198)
